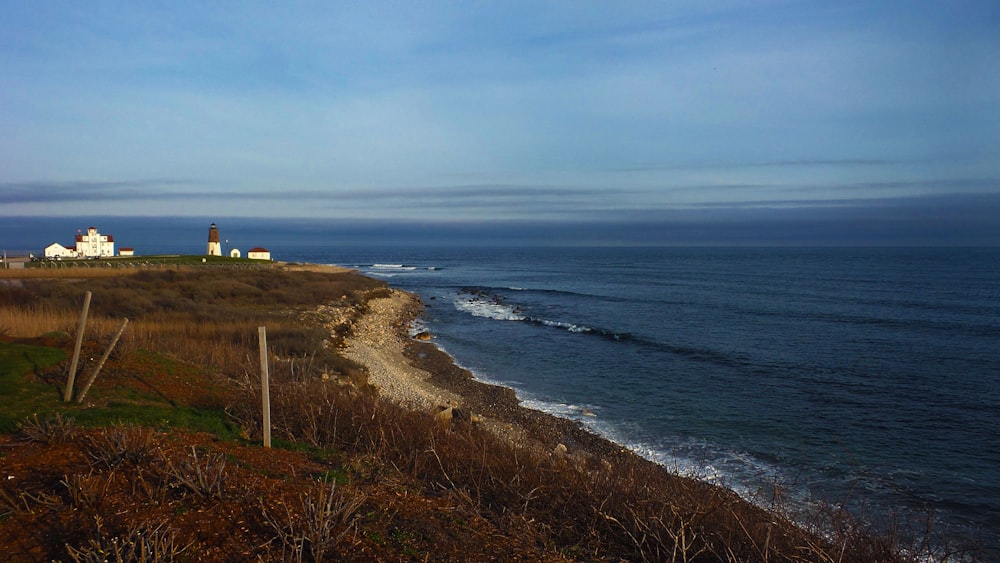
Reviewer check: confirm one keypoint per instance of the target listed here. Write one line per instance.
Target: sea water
(862, 377)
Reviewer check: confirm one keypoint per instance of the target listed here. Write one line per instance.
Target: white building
(56, 250)
(90, 245)
(258, 253)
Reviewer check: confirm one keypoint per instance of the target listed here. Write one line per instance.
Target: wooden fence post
(68, 393)
(100, 364)
(265, 395)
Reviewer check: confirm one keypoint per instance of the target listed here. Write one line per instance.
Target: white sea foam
(500, 311)
(563, 410)
(488, 309)
(740, 472)
(588, 416)
(568, 326)
(737, 471)
(416, 327)
(388, 270)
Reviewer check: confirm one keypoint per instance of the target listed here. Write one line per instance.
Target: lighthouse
(214, 248)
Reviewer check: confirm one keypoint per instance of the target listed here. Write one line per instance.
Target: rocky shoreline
(417, 374)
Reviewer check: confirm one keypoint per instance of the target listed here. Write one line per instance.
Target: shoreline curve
(418, 375)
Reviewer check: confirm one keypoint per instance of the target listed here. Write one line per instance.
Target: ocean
(863, 377)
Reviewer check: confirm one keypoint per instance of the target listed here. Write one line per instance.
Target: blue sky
(660, 113)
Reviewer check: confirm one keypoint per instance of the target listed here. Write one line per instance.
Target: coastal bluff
(384, 450)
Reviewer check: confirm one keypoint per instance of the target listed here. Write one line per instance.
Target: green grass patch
(316, 453)
(156, 361)
(125, 395)
(24, 359)
(160, 417)
(338, 476)
(21, 393)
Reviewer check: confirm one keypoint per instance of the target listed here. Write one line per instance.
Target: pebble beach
(418, 375)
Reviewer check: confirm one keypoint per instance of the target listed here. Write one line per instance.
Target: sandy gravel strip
(420, 376)
(378, 341)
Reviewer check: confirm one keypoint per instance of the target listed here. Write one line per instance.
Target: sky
(766, 121)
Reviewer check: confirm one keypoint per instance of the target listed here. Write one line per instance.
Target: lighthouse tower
(214, 248)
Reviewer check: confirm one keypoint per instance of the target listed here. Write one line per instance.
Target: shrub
(87, 492)
(319, 522)
(53, 429)
(154, 544)
(118, 444)
(206, 477)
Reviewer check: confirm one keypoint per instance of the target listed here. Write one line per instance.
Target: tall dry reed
(35, 320)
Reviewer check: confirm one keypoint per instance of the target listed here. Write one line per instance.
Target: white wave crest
(416, 327)
(736, 470)
(694, 459)
(488, 309)
(400, 267)
(563, 410)
(568, 326)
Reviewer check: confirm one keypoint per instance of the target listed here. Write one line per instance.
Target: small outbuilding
(126, 251)
(258, 253)
(57, 251)
(234, 253)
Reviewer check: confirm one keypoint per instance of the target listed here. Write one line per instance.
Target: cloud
(811, 163)
(70, 191)
(508, 110)
(489, 201)
(944, 220)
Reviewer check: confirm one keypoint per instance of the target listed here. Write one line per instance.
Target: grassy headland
(164, 459)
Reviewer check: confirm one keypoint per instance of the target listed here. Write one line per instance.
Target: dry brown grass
(588, 509)
(34, 320)
(66, 273)
(205, 316)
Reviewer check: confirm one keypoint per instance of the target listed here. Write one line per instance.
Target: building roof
(79, 237)
(258, 249)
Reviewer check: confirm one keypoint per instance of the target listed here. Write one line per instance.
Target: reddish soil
(58, 495)
(396, 522)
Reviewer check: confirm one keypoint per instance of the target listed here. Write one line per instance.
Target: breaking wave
(739, 471)
(491, 309)
(481, 304)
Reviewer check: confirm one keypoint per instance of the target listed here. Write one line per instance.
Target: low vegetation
(163, 460)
